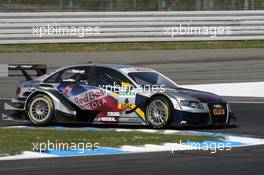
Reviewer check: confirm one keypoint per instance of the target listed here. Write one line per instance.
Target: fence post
(70, 5)
(246, 4)
(62, 5)
(9, 5)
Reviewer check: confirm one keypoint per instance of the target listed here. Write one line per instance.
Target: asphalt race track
(182, 66)
(226, 66)
(250, 121)
(247, 160)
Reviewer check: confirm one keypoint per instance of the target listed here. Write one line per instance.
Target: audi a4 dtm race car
(112, 94)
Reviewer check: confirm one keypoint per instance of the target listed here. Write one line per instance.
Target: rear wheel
(40, 110)
(159, 112)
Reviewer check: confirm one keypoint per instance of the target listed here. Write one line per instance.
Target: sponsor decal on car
(218, 110)
(124, 103)
(127, 97)
(76, 71)
(128, 94)
(113, 114)
(107, 119)
(90, 100)
(43, 77)
(136, 69)
(68, 89)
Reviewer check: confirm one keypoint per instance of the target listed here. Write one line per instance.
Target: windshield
(151, 78)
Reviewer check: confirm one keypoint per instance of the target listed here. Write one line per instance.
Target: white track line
(27, 155)
(246, 102)
(245, 89)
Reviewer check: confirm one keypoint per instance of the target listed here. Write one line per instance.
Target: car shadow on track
(79, 125)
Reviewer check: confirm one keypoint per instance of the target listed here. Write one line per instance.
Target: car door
(117, 100)
(75, 83)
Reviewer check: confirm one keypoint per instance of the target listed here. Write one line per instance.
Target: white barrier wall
(75, 27)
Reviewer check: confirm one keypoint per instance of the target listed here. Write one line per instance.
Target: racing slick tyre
(40, 110)
(159, 112)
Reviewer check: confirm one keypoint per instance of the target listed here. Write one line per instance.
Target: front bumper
(182, 118)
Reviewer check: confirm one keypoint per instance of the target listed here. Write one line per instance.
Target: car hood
(204, 97)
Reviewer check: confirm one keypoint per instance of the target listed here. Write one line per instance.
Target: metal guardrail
(18, 28)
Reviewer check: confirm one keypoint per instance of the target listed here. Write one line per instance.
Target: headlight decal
(192, 104)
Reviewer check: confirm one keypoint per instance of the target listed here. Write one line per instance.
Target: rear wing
(27, 70)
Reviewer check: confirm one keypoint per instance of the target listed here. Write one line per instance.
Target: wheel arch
(167, 96)
(170, 105)
(57, 102)
(35, 93)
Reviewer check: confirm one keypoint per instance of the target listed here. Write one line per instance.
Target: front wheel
(40, 110)
(159, 112)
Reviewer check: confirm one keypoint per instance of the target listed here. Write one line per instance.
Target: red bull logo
(89, 96)
(91, 100)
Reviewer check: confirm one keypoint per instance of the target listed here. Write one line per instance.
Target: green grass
(88, 47)
(16, 140)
